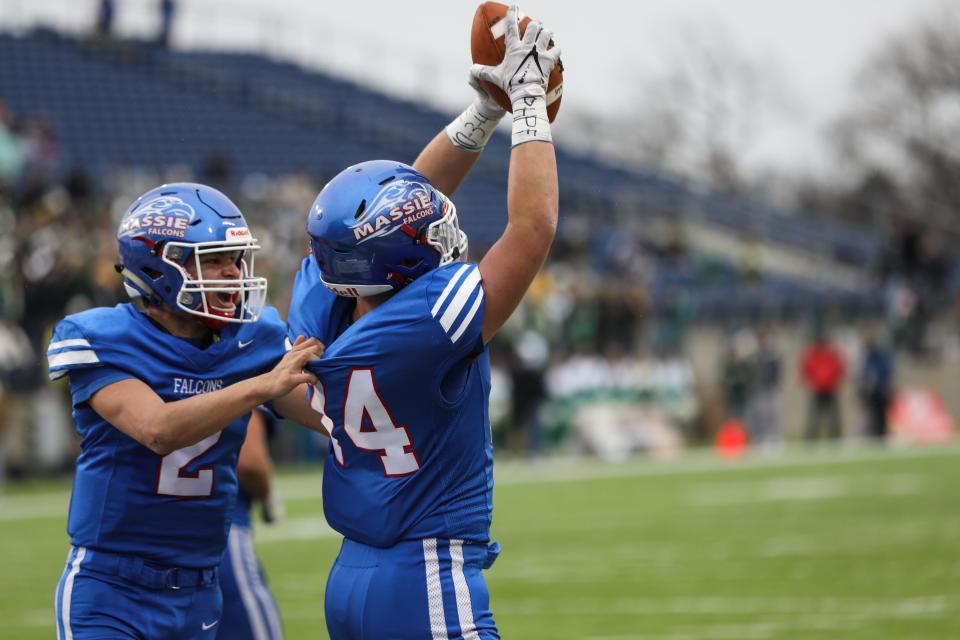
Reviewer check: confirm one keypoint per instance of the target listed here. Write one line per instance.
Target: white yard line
(512, 472)
(805, 621)
(565, 470)
(856, 608)
(308, 528)
(34, 506)
(53, 504)
(805, 489)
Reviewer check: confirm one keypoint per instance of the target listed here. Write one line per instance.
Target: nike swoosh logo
(207, 627)
(520, 67)
(242, 345)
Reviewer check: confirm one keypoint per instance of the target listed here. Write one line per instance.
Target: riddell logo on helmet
(414, 209)
(349, 292)
(239, 233)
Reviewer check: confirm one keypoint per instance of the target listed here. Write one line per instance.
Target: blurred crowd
(589, 363)
(57, 255)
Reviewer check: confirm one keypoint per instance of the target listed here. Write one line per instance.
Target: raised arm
(135, 409)
(445, 164)
(513, 261)
(449, 157)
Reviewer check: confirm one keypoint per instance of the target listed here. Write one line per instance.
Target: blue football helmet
(379, 225)
(173, 224)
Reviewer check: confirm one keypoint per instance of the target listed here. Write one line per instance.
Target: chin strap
(213, 323)
(154, 299)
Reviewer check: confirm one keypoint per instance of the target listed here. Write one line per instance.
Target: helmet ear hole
(153, 274)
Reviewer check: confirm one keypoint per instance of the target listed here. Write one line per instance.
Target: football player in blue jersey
(403, 385)
(249, 609)
(162, 389)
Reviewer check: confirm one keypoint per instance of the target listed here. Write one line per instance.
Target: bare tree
(905, 124)
(700, 112)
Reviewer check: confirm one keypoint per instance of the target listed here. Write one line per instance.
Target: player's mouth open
(225, 300)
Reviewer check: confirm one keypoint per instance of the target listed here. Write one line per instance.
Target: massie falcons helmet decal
(400, 202)
(379, 225)
(161, 216)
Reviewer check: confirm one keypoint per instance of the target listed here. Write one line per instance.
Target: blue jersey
(404, 390)
(126, 499)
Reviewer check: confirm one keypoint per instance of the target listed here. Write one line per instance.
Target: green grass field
(812, 545)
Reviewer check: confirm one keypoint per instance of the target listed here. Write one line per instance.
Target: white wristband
(471, 130)
(530, 120)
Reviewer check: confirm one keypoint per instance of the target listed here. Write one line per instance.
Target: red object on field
(919, 416)
(732, 440)
(487, 46)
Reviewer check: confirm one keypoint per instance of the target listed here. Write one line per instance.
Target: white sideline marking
(763, 629)
(774, 490)
(511, 472)
(54, 504)
(566, 470)
(35, 506)
(735, 605)
(805, 489)
(789, 546)
(309, 528)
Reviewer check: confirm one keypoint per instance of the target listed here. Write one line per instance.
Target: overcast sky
(814, 46)
(420, 48)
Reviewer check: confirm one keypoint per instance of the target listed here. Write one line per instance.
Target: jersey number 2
(392, 442)
(171, 482)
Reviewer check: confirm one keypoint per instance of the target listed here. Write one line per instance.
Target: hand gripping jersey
(405, 393)
(172, 509)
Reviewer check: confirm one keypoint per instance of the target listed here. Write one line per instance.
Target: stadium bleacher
(124, 103)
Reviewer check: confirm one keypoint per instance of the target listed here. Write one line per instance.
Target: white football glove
(527, 63)
(484, 104)
(473, 128)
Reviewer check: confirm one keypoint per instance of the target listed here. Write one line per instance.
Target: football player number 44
(391, 442)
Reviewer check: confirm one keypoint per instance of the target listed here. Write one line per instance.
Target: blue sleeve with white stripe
(455, 297)
(69, 350)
